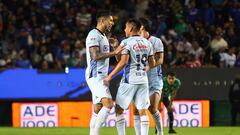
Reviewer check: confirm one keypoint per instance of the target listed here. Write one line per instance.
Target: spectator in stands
(50, 23)
(192, 62)
(228, 58)
(184, 46)
(3, 62)
(180, 60)
(217, 45)
(208, 14)
(44, 65)
(161, 26)
(76, 60)
(218, 42)
(231, 37)
(169, 56)
(197, 51)
(181, 26)
(58, 65)
(10, 51)
(235, 13)
(25, 37)
(23, 60)
(193, 13)
(84, 17)
(237, 63)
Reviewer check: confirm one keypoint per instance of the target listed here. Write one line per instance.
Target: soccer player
(134, 84)
(171, 84)
(97, 50)
(155, 80)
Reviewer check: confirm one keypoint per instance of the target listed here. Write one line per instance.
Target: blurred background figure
(234, 97)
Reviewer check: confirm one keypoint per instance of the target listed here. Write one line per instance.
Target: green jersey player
(171, 84)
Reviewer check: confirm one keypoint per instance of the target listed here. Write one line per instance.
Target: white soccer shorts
(138, 93)
(98, 89)
(155, 86)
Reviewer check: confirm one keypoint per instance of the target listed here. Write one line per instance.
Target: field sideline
(113, 131)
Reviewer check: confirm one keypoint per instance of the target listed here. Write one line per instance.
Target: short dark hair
(145, 23)
(170, 73)
(135, 23)
(103, 13)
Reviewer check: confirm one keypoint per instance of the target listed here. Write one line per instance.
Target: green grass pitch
(113, 131)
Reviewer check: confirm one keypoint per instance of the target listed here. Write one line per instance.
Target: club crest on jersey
(105, 48)
(138, 47)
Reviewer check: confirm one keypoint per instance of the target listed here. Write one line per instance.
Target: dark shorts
(165, 101)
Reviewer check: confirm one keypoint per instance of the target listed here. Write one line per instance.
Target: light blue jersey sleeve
(92, 39)
(126, 49)
(151, 49)
(96, 67)
(157, 44)
(158, 47)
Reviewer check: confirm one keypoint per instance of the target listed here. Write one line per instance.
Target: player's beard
(108, 29)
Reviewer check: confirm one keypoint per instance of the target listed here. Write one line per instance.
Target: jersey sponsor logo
(138, 47)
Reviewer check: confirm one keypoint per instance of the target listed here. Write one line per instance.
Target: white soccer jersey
(139, 49)
(158, 47)
(94, 68)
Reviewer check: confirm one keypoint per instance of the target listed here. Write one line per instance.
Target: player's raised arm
(123, 61)
(97, 55)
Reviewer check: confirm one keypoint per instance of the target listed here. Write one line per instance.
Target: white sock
(121, 125)
(92, 122)
(144, 124)
(137, 125)
(101, 118)
(158, 122)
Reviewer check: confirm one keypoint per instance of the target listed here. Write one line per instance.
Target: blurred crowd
(50, 34)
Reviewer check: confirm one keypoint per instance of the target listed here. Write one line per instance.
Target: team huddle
(140, 56)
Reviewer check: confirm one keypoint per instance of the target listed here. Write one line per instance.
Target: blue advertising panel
(29, 83)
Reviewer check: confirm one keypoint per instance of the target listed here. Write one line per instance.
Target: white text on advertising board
(39, 115)
(186, 114)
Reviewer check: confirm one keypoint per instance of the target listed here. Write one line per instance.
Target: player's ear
(102, 21)
(131, 29)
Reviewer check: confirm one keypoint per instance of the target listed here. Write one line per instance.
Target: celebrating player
(134, 84)
(97, 49)
(155, 80)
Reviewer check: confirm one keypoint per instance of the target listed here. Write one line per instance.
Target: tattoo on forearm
(104, 55)
(98, 55)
